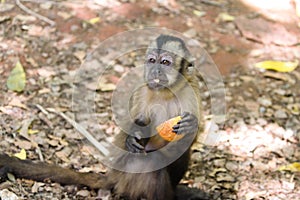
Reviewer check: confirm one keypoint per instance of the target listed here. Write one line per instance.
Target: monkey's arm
(41, 172)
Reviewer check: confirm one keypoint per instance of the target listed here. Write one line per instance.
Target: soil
(261, 132)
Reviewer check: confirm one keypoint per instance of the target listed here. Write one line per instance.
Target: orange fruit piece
(165, 130)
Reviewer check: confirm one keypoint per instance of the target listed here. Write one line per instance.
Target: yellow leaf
(279, 66)
(21, 155)
(199, 13)
(294, 167)
(17, 78)
(94, 20)
(11, 177)
(30, 131)
(225, 17)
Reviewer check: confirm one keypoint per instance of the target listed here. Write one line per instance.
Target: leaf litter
(258, 147)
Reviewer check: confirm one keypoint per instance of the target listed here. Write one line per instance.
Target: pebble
(197, 156)
(264, 101)
(223, 177)
(280, 114)
(219, 162)
(232, 166)
(280, 92)
(8, 195)
(190, 33)
(46, 5)
(83, 193)
(5, 7)
(119, 68)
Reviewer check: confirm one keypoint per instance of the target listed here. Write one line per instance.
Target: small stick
(27, 10)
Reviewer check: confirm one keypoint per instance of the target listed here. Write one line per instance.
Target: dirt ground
(262, 129)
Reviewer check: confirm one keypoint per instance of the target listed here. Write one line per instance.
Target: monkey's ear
(191, 65)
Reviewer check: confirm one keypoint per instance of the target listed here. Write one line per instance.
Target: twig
(38, 149)
(27, 10)
(44, 116)
(212, 3)
(42, 109)
(83, 131)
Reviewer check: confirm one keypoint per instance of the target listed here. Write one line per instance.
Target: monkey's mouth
(157, 83)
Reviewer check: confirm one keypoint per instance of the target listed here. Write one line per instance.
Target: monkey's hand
(133, 143)
(187, 125)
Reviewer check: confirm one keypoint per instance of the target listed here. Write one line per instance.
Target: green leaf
(17, 78)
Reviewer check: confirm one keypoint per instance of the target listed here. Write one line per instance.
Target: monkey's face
(159, 70)
(166, 60)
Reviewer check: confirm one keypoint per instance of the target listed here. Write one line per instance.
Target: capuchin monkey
(170, 89)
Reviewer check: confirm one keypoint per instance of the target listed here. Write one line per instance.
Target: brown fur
(182, 97)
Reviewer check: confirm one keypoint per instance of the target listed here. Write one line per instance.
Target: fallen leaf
(32, 62)
(4, 18)
(31, 131)
(46, 72)
(21, 155)
(279, 66)
(11, 177)
(199, 13)
(294, 167)
(64, 15)
(23, 144)
(294, 108)
(53, 143)
(36, 186)
(80, 55)
(276, 76)
(64, 154)
(94, 20)
(16, 102)
(25, 18)
(35, 30)
(106, 87)
(225, 17)
(17, 78)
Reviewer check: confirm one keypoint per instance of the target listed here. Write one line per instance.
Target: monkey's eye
(151, 60)
(166, 62)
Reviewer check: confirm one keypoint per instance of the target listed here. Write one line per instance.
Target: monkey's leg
(41, 172)
(154, 185)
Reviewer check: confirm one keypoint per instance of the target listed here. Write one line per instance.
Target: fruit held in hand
(165, 130)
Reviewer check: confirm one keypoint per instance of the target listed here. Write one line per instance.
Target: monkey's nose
(157, 71)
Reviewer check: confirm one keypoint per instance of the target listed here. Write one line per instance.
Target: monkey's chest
(161, 111)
